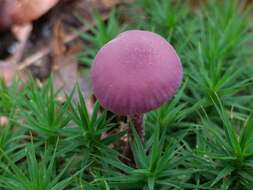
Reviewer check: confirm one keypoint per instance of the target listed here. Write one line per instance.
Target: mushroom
(136, 72)
(18, 15)
(17, 12)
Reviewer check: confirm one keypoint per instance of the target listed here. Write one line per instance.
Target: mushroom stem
(138, 124)
(137, 120)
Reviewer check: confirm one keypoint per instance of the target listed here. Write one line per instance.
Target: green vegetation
(202, 139)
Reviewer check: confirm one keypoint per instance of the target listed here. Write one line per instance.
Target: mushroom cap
(23, 11)
(136, 72)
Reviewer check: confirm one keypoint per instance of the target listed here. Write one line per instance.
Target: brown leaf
(57, 44)
(105, 4)
(23, 11)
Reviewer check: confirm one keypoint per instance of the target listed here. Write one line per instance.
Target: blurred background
(38, 38)
(62, 36)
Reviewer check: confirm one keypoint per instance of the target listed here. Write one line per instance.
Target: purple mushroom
(134, 73)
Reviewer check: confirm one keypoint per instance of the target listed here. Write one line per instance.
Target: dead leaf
(57, 44)
(105, 4)
(109, 3)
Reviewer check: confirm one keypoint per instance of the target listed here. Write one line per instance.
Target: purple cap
(136, 72)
